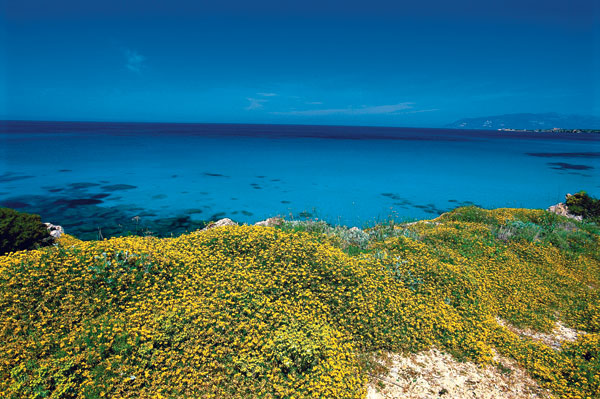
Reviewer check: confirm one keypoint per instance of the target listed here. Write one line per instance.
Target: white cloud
(267, 94)
(314, 103)
(365, 110)
(134, 61)
(418, 111)
(255, 103)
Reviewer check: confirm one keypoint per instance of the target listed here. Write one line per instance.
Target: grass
(299, 310)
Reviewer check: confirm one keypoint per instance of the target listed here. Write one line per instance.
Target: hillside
(303, 310)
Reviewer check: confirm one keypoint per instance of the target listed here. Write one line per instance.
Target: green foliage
(471, 214)
(19, 231)
(353, 241)
(299, 347)
(582, 204)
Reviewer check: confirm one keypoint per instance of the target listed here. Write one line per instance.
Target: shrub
(255, 312)
(19, 231)
(582, 204)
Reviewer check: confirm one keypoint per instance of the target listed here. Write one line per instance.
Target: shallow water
(114, 178)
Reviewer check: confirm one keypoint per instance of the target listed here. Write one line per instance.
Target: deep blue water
(100, 176)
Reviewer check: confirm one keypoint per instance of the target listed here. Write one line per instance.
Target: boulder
(220, 223)
(270, 222)
(563, 210)
(55, 230)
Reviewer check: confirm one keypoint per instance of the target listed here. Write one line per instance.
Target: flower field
(244, 311)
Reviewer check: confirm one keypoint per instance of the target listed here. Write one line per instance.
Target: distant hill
(529, 121)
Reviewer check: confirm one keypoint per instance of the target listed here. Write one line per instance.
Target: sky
(419, 63)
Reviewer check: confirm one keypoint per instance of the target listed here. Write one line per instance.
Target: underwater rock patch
(217, 216)
(14, 204)
(564, 154)
(148, 214)
(194, 211)
(79, 186)
(11, 176)
(568, 166)
(82, 217)
(396, 197)
(430, 208)
(117, 187)
(78, 202)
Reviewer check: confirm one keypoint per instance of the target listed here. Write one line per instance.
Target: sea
(99, 179)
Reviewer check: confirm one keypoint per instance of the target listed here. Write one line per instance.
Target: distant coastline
(554, 130)
(529, 122)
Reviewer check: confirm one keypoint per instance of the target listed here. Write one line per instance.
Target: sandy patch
(433, 374)
(554, 339)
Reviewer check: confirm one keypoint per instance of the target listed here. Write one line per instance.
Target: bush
(20, 231)
(255, 312)
(582, 204)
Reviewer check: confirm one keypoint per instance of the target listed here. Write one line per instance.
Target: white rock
(220, 223)
(562, 210)
(55, 230)
(270, 222)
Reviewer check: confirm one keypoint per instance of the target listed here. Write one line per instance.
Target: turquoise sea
(104, 179)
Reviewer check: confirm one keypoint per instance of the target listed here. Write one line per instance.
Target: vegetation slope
(297, 311)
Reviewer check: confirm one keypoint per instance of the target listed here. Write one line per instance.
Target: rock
(270, 222)
(220, 223)
(55, 230)
(563, 210)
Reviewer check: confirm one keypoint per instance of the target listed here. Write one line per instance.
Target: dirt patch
(433, 374)
(554, 339)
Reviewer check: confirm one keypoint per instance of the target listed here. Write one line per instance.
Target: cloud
(314, 103)
(258, 103)
(255, 103)
(365, 110)
(134, 61)
(417, 111)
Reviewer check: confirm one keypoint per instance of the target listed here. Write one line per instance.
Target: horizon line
(244, 123)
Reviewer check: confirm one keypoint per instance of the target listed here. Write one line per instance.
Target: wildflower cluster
(242, 311)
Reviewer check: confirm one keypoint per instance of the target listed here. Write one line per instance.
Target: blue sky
(310, 62)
